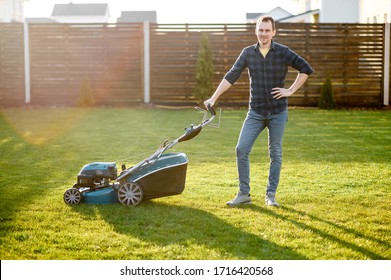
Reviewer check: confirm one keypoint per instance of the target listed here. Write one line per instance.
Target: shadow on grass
(165, 224)
(350, 245)
(29, 170)
(345, 229)
(21, 180)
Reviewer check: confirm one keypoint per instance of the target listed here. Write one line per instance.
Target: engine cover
(97, 171)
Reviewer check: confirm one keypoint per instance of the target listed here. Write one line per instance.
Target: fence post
(26, 63)
(147, 95)
(386, 63)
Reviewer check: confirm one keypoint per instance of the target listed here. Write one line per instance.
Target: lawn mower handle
(211, 110)
(193, 131)
(190, 133)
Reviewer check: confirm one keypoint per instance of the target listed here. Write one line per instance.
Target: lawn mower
(160, 174)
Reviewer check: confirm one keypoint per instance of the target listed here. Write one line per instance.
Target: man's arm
(283, 92)
(223, 87)
(230, 78)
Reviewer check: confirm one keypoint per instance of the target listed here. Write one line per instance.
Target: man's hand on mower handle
(209, 106)
(210, 102)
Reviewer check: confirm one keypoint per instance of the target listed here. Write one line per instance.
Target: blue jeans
(253, 125)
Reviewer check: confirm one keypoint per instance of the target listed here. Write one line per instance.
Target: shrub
(327, 100)
(204, 70)
(86, 96)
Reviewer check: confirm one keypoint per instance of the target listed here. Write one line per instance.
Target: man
(267, 63)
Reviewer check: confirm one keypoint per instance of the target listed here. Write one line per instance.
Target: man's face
(265, 32)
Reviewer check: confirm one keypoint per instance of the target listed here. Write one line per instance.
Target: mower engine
(97, 175)
(92, 177)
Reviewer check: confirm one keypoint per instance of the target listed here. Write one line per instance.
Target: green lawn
(334, 190)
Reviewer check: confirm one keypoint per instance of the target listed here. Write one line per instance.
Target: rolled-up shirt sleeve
(237, 69)
(300, 64)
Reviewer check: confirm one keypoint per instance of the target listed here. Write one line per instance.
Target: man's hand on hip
(279, 93)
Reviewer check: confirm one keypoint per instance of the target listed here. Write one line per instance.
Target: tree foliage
(204, 70)
(327, 100)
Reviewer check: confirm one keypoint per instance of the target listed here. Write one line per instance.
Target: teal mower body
(161, 174)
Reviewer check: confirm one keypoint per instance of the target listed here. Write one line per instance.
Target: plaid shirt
(267, 73)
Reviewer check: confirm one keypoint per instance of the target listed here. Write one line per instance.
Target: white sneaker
(270, 199)
(240, 199)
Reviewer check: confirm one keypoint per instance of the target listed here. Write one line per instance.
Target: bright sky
(174, 11)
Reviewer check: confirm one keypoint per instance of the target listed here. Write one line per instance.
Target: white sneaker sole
(237, 204)
(272, 204)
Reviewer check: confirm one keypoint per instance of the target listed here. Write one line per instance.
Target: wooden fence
(11, 64)
(111, 59)
(352, 55)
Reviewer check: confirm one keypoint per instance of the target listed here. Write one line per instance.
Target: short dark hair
(266, 19)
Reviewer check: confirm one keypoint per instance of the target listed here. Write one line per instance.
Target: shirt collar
(272, 46)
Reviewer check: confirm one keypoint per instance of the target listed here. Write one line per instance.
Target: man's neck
(266, 46)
